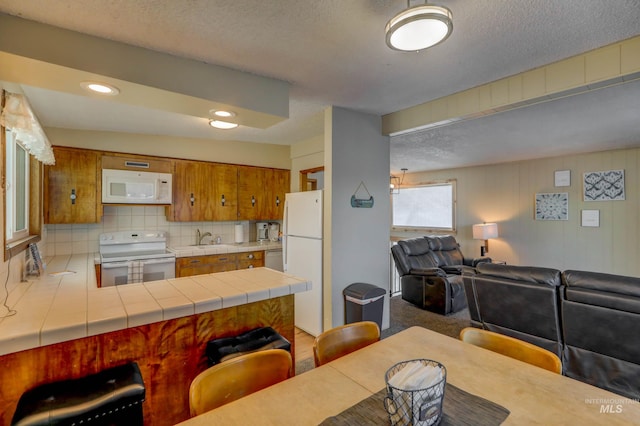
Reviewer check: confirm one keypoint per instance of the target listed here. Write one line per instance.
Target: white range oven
(128, 257)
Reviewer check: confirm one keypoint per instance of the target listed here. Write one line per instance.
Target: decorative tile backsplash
(83, 238)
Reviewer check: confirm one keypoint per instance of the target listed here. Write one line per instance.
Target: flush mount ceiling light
(221, 124)
(101, 88)
(222, 113)
(419, 27)
(224, 125)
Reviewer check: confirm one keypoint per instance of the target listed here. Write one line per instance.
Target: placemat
(460, 408)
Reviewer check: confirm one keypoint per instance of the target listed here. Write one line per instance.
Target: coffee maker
(262, 232)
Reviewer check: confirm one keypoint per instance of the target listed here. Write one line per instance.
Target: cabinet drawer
(250, 263)
(213, 259)
(251, 255)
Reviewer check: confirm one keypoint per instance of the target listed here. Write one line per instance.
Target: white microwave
(134, 187)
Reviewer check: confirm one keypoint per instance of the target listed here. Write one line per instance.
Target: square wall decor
(552, 206)
(604, 186)
(591, 218)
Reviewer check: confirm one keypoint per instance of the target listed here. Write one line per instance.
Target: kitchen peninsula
(65, 327)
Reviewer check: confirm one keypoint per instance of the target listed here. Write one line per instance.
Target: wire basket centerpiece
(415, 392)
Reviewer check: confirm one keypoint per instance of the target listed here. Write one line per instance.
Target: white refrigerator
(302, 254)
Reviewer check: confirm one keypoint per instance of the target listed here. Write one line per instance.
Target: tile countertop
(60, 306)
(186, 251)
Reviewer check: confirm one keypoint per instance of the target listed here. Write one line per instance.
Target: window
(429, 206)
(17, 189)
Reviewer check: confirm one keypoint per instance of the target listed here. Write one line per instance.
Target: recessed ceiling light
(222, 113)
(225, 125)
(101, 88)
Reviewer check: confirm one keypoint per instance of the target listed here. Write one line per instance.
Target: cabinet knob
(194, 261)
(222, 200)
(250, 267)
(192, 199)
(250, 256)
(253, 201)
(277, 201)
(73, 196)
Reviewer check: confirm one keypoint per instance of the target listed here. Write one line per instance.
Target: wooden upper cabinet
(72, 187)
(136, 163)
(276, 186)
(261, 193)
(251, 193)
(203, 192)
(225, 191)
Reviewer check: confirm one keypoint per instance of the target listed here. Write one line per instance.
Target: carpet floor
(404, 315)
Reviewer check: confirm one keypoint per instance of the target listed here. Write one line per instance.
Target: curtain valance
(19, 118)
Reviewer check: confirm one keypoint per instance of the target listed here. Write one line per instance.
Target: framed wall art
(562, 178)
(591, 218)
(604, 186)
(552, 206)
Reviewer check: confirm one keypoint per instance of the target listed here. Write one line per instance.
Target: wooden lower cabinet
(208, 264)
(250, 259)
(170, 355)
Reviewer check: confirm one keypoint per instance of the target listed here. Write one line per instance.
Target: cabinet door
(251, 193)
(225, 192)
(190, 200)
(276, 185)
(72, 187)
(198, 265)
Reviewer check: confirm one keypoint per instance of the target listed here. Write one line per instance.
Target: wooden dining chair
(238, 377)
(339, 341)
(512, 347)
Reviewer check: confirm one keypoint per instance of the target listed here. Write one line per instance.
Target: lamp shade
(484, 231)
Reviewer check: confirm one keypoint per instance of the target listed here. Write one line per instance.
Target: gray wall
(504, 193)
(359, 236)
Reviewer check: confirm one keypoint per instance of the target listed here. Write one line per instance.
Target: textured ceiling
(333, 53)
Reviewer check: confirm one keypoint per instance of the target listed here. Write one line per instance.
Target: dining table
(483, 387)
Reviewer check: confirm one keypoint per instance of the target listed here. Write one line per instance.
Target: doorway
(312, 179)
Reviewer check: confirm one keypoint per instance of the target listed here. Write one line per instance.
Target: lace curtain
(18, 117)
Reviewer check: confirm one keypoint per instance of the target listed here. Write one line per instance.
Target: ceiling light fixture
(224, 125)
(101, 88)
(419, 27)
(222, 113)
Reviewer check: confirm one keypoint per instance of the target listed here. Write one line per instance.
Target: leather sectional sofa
(430, 271)
(589, 319)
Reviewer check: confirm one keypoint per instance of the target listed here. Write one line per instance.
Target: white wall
(307, 154)
(504, 193)
(355, 152)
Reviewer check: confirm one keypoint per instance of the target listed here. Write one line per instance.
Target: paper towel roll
(239, 234)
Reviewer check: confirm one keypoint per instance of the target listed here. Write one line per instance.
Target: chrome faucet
(199, 237)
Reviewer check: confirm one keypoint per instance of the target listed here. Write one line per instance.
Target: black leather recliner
(600, 315)
(430, 272)
(518, 301)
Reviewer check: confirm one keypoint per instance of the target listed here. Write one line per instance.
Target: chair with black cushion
(601, 315)
(238, 377)
(109, 398)
(513, 348)
(431, 279)
(339, 341)
(518, 301)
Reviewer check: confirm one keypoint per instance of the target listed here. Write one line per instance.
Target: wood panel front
(76, 171)
(170, 355)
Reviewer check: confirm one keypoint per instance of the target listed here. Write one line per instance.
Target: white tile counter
(202, 250)
(60, 307)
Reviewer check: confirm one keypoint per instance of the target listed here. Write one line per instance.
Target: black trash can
(363, 302)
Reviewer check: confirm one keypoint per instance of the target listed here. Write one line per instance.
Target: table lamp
(484, 231)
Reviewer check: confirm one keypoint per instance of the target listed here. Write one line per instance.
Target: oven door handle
(112, 265)
(159, 261)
